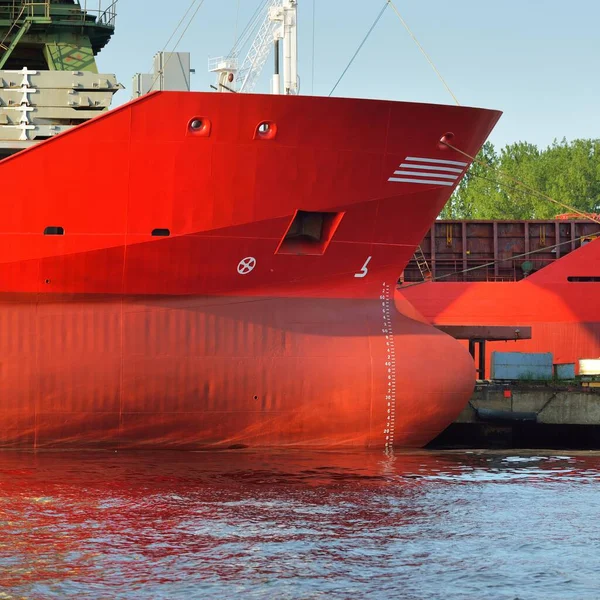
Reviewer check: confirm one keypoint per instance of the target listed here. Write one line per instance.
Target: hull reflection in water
(298, 525)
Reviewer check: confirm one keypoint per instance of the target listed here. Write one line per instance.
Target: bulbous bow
(434, 377)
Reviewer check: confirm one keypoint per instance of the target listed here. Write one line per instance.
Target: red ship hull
(228, 329)
(561, 303)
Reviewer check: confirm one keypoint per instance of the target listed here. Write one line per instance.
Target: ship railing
(217, 63)
(102, 12)
(105, 12)
(18, 11)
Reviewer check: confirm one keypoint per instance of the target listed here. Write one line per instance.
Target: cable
(519, 182)
(527, 190)
(252, 23)
(179, 24)
(412, 35)
(188, 25)
(179, 40)
(361, 45)
(250, 27)
(505, 185)
(491, 264)
(237, 20)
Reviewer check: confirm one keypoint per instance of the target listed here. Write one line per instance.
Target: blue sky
(536, 60)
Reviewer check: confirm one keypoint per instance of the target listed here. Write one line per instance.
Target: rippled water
(297, 525)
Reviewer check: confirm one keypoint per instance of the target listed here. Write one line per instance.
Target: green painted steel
(62, 56)
(64, 35)
(21, 30)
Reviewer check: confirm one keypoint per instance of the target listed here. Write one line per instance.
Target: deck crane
(279, 24)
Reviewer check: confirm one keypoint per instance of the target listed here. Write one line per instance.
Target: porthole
(199, 126)
(265, 130)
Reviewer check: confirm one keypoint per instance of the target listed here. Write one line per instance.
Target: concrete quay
(528, 415)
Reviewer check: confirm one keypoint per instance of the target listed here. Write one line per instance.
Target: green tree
(477, 184)
(568, 172)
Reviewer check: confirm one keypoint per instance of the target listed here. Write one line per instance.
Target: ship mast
(290, 46)
(279, 25)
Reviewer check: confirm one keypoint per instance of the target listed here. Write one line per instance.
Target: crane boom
(279, 23)
(256, 58)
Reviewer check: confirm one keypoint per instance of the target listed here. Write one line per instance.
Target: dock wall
(527, 415)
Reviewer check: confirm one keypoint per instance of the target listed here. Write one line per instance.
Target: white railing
(222, 62)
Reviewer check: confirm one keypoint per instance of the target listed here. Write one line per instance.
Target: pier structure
(519, 414)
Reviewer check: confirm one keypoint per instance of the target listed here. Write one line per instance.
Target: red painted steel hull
(112, 337)
(564, 315)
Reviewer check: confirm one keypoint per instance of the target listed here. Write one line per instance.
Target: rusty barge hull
(497, 250)
(559, 299)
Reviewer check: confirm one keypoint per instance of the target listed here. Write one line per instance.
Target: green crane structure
(54, 35)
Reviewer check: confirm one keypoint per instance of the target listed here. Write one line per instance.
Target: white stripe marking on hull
(426, 181)
(438, 161)
(440, 175)
(431, 168)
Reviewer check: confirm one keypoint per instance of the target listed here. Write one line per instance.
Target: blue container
(566, 371)
(522, 366)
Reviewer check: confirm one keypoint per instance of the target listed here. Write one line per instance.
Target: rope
(528, 189)
(524, 185)
(361, 45)
(534, 194)
(492, 263)
(412, 35)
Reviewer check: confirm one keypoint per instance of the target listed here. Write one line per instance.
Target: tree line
(568, 172)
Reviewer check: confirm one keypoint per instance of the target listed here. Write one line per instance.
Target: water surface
(292, 524)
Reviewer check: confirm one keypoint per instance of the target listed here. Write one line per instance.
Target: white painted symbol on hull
(246, 265)
(364, 271)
